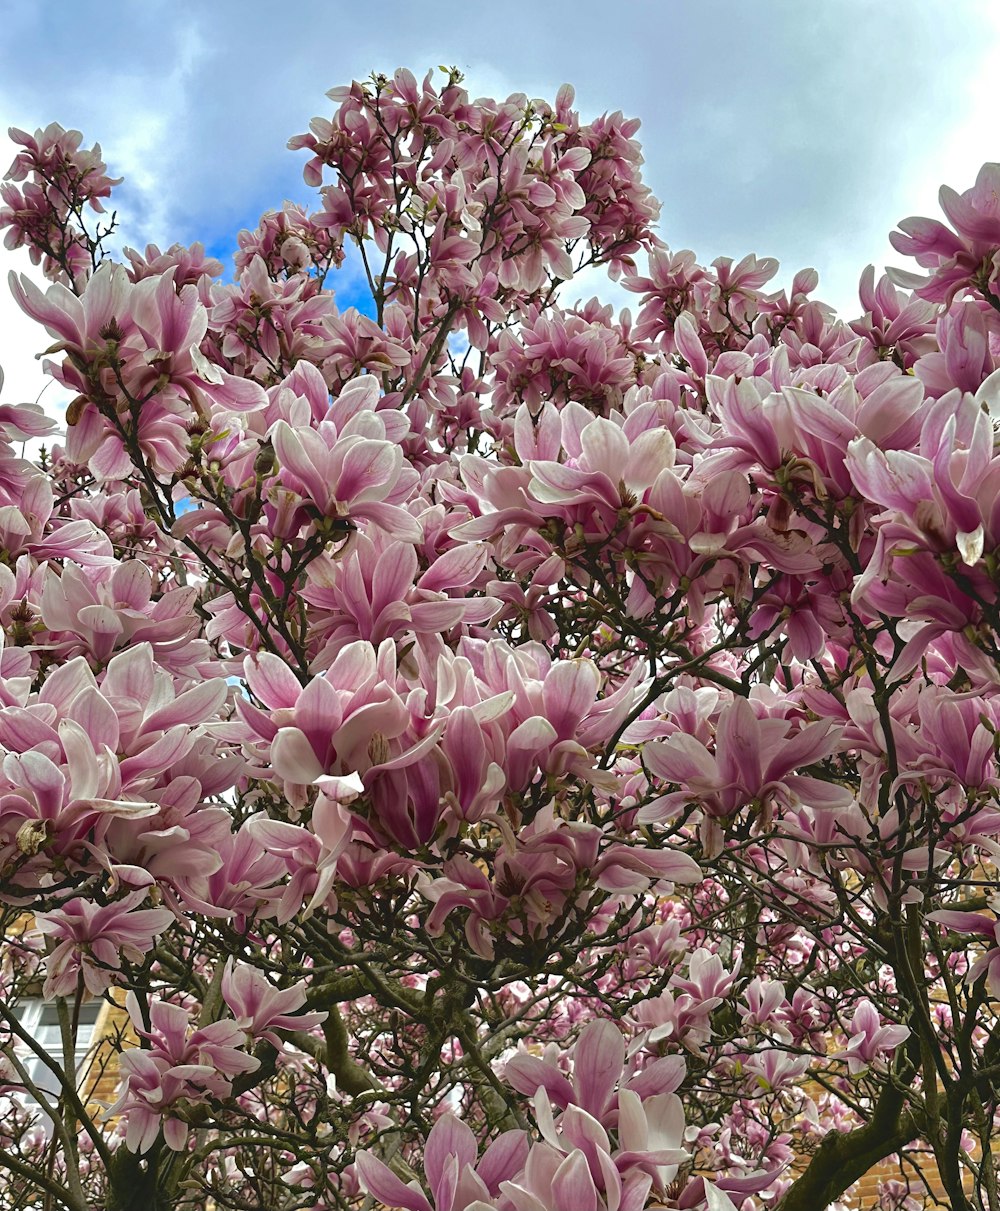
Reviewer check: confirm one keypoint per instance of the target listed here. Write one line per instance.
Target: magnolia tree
(496, 754)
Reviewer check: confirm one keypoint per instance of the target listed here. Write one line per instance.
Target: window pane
(41, 1020)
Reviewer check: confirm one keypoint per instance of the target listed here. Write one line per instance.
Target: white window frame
(40, 1018)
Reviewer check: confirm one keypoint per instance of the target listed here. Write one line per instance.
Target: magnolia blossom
(961, 257)
(868, 1038)
(578, 1164)
(457, 1179)
(260, 1009)
(179, 1067)
(91, 940)
(753, 762)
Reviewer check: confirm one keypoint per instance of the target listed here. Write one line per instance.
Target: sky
(800, 129)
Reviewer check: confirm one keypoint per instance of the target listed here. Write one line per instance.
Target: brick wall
(100, 1082)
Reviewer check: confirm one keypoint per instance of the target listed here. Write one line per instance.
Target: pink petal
(573, 1188)
(271, 680)
(597, 1065)
(526, 1073)
(303, 453)
(171, 746)
(130, 675)
(569, 693)
(59, 310)
(681, 759)
(293, 758)
(193, 706)
(65, 682)
(380, 1182)
(449, 1137)
(391, 518)
(456, 568)
(964, 922)
(503, 1159)
(367, 470)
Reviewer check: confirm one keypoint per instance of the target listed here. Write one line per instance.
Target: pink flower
(260, 1009)
(963, 261)
(893, 321)
(868, 1038)
(310, 856)
(753, 762)
(92, 939)
(578, 1164)
(376, 591)
(965, 360)
(179, 1067)
(776, 1069)
(329, 726)
(456, 1180)
(348, 470)
(64, 178)
(130, 342)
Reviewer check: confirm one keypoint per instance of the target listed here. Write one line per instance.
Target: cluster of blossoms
(488, 755)
(58, 179)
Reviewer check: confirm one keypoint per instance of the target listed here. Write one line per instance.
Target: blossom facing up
(753, 762)
(458, 1178)
(176, 1068)
(260, 1009)
(868, 1038)
(962, 257)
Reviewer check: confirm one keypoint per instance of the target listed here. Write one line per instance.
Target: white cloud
(799, 131)
(145, 117)
(957, 150)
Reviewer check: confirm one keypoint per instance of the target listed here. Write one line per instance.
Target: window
(41, 1020)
